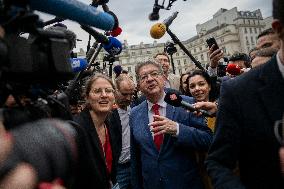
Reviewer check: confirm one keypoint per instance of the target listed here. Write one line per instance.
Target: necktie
(158, 139)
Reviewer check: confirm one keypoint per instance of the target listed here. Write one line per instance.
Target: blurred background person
(262, 56)
(102, 154)
(268, 39)
(183, 83)
(252, 53)
(249, 105)
(171, 80)
(242, 60)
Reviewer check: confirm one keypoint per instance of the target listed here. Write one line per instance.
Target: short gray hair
(148, 62)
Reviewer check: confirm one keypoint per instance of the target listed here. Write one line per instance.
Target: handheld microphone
(176, 101)
(78, 64)
(110, 44)
(155, 13)
(74, 10)
(233, 69)
(158, 30)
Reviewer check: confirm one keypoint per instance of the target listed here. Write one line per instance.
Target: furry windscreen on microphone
(173, 99)
(233, 69)
(117, 70)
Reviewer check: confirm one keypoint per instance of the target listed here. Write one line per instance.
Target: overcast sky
(133, 17)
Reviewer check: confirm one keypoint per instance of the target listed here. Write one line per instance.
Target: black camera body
(33, 67)
(44, 57)
(170, 48)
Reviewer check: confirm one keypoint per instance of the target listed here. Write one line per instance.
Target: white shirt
(162, 110)
(280, 64)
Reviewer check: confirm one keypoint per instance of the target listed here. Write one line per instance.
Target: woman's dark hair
(180, 83)
(212, 92)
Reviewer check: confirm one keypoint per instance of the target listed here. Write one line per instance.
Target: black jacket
(249, 105)
(91, 168)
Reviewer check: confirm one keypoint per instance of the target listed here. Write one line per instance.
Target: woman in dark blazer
(97, 143)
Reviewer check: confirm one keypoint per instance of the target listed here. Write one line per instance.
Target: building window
(202, 57)
(133, 53)
(250, 30)
(224, 50)
(178, 62)
(200, 48)
(177, 54)
(254, 22)
(246, 31)
(255, 30)
(247, 41)
(184, 61)
(222, 39)
(252, 41)
(194, 50)
(249, 22)
(259, 30)
(129, 69)
(148, 52)
(244, 21)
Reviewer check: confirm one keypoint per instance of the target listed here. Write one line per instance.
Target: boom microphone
(110, 44)
(176, 100)
(158, 30)
(74, 10)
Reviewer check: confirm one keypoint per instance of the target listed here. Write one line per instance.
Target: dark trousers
(123, 176)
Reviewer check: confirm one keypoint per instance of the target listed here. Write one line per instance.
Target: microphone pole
(177, 41)
(95, 55)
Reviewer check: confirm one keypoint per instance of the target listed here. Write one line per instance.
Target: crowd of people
(128, 137)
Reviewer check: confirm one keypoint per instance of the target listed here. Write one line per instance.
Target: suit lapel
(272, 92)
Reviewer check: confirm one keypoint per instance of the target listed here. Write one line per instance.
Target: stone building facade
(233, 30)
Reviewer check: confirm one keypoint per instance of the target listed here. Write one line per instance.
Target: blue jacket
(174, 166)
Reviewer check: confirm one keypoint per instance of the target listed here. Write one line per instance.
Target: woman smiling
(101, 156)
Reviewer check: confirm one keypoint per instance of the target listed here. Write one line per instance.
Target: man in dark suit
(164, 138)
(248, 108)
(119, 119)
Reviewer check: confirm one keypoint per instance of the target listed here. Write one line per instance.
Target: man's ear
(278, 28)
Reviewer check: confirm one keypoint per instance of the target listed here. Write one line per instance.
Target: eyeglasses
(153, 74)
(99, 91)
